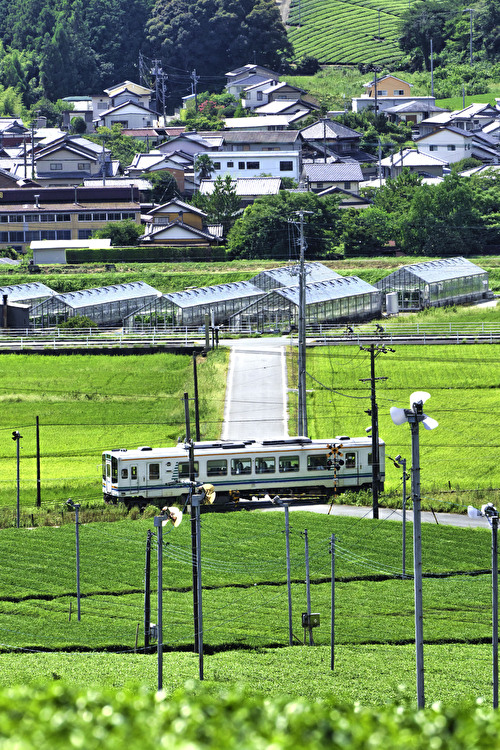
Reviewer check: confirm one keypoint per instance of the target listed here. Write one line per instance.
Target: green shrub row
(200, 717)
(145, 254)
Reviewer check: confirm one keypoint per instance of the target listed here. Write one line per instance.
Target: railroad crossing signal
(334, 460)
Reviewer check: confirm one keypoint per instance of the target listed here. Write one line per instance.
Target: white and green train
(296, 466)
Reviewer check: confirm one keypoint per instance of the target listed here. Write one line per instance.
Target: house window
(319, 185)
(347, 185)
(216, 164)
(55, 165)
(84, 166)
(16, 218)
(47, 217)
(259, 96)
(63, 234)
(382, 92)
(433, 148)
(63, 217)
(399, 92)
(102, 105)
(253, 164)
(241, 165)
(85, 234)
(230, 164)
(451, 147)
(286, 166)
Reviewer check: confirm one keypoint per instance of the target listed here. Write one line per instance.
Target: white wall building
(449, 144)
(256, 163)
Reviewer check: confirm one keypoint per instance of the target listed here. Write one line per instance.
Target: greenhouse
(27, 294)
(189, 308)
(347, 298)
(274, 278)
(106, 306)
(436, 283)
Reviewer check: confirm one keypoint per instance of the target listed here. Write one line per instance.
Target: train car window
(350, 460)
(133, 472)
(241, 466)
(317, 463)
(154, 471)
(104, 467)
(289, 463)
(124, 473)
(265, 465)
(114, 469)
(184, 469)
(217, 468)
(370, 459)
(108, 471)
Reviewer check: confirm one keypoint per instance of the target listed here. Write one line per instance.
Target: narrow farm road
(256, 395)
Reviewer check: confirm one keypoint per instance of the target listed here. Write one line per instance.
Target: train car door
(350, 474)
(153, 478)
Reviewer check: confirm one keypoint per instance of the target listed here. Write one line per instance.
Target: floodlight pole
(158, 521)
(494, 587)
(405, 476)
(414, 417)
(288, 573)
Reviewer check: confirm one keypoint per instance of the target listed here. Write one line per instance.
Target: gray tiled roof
(337, 172)
(328, 129)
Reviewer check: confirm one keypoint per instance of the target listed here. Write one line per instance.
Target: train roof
(181, 449)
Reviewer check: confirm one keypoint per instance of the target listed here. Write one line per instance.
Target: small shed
(436, 283)
(106, 306)
(347, 298)
(188, 308)
(54, 251)
(274, 278)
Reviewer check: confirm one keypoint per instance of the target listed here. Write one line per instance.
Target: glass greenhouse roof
(211, 294)
(107, 294)
(440, 270)
(322, 291)
(19, 292)
(289, 276)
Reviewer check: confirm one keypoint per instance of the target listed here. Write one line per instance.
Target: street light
(16, 435)
(491, 514)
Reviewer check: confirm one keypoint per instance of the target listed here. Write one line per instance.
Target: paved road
(256, 395)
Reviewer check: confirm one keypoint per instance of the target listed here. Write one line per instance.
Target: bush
(152, 254)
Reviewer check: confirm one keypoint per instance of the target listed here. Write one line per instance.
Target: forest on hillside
(52, 49)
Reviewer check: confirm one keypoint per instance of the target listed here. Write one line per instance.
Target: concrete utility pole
(195, 80)
(16, 435)
(374, 351)
(302, 406)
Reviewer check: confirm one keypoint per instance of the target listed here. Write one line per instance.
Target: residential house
(177, 165)
(449, 143)
(69, 160)
(345, 175)
(177, 223)
(256, 140)
(12, 132)
(472, 118)
(265, 122)
(256, 163)
(82, 107)
(391, 91)
(414, 111)
(239, 79)
(63, 213)
(331, 138)
(127, 91)
(128, 115)
(285, 99)
(423, 163)
(257, 94)
(247, 189)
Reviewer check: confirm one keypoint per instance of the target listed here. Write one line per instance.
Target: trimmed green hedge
(58, 717)
(146, 254)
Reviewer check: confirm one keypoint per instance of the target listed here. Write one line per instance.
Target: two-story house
(238, 79)
(114, 96)
(256, 163)
(386, 92)
(177, 223)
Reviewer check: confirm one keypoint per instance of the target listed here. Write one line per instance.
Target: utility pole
(374, 351)
(147, 592)
(470, 11)
(38, 480)
(196, 400)
(16, 435)
(76, 508)
(432, 70)
(302, 405)
(376, 95)
(195, 80)
(194, 528)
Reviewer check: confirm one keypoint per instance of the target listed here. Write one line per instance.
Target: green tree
(222, 204)
(122, 147)
(424, 21)
(266, 229)
(203, 166)
(164, 186)
(217, 34)
(121, 233)
(78, 125)
(366, 232)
